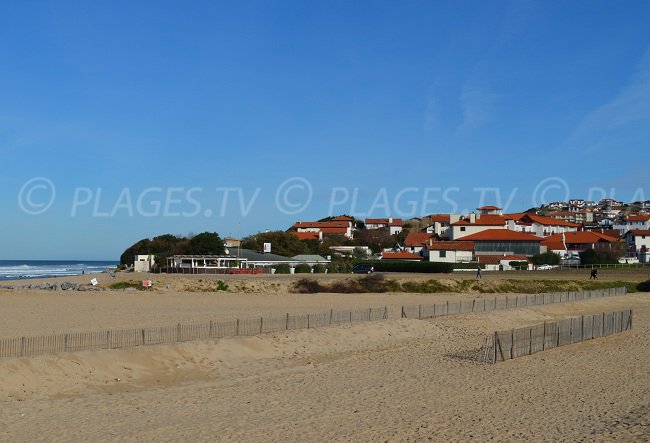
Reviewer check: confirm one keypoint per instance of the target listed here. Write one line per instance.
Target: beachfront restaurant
(203, 264)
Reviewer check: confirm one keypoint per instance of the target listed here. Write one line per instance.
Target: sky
(125, 120)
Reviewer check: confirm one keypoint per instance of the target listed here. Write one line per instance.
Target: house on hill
(539, 225)
(394, 225)
(416, 241)
(331, 227)
(490, 210)
(474, 223)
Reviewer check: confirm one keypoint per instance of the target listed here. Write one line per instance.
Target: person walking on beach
(478, 273)
(594, 274)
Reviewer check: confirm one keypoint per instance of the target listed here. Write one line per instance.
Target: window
(462, 229)
(443, 254)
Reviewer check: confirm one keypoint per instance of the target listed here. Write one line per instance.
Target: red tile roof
(548, 221)
(489, 208)
(417, 239)
(554, 245)
(451, 246)
(500, 235)
(580, 237)
(440, 218)
(384, 221)
(342, 218)
(306, 235)
(638, 217)
(330, 224)
(400, 256)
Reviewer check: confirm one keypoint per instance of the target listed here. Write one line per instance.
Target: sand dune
(398, 380)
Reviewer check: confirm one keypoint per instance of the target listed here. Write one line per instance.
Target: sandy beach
(395, 380)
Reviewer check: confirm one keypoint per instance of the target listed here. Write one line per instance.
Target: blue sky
(138, 114)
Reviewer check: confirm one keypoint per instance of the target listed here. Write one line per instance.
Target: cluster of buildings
(493, 238)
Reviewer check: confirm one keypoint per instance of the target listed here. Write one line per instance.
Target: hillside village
(570, 233)
(611, 229)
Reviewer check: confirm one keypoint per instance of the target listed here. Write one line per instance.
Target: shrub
(303, 268)
(282, 268)
(319, 269)
(519, 265)
(340, 267)
(222, 285)
(547, 258)
(644, 286)
(307, 286)
(127, 284)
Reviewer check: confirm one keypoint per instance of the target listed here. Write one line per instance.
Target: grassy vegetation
(128, 284)
(378, 283)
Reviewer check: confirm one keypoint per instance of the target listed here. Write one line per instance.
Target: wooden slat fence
(506, 345)
(124, 338)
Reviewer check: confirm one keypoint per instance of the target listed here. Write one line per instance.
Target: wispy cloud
(477, 104)
(628, 110)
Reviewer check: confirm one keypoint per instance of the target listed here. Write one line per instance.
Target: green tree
(547, 258)
(206, 243)
(591, 257)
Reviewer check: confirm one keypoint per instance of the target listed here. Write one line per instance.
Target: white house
(539, 225)
(473, 224)
(638, 244)
(143, 263)
(331, 227)
(490, 210)
(416, 241)
(394, 225)
(634, 222)
(449, 251)
(441, 224)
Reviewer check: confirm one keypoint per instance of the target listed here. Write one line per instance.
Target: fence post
(22, 347)
(495, 347)
(512, 340)
(530, 342)
(403, 312)
(237, 328)
(262, 324)
(385, 312)
(419, 312)
(331, 314)
(350, 316)
(65, 343)
(286, 326)
(473, 304)
(210, 330)
(544, 338)
(143, 336)
(109, 339)
(369, 314)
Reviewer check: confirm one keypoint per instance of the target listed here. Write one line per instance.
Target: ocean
(23, 269)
